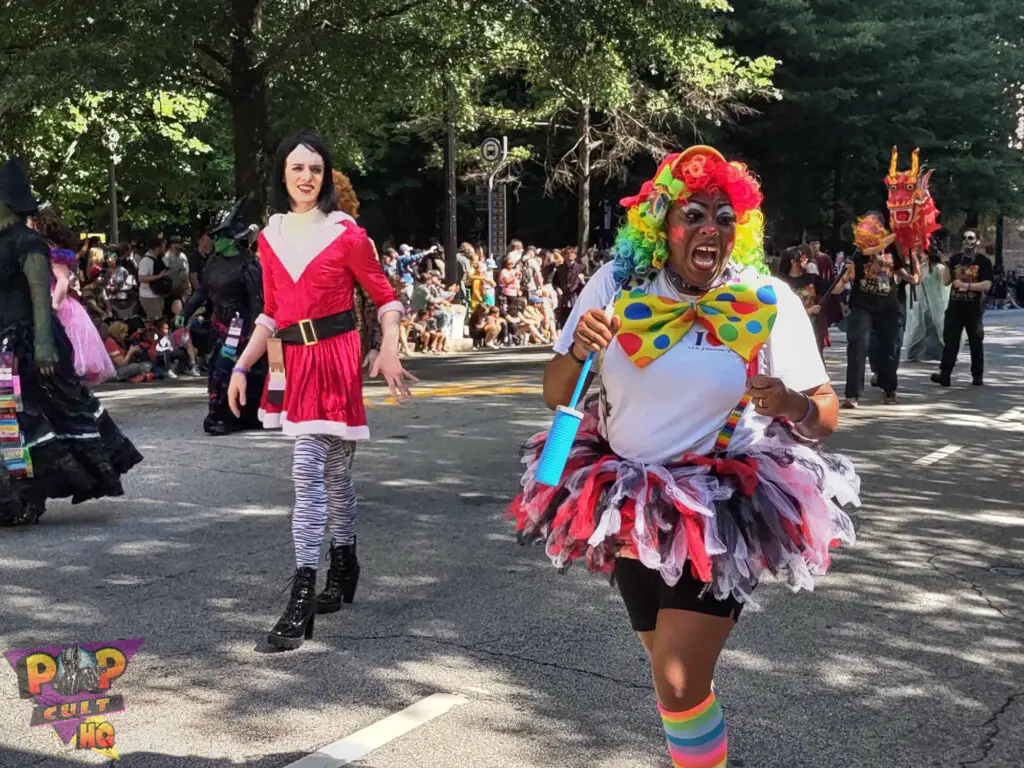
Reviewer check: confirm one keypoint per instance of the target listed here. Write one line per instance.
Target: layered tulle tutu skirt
(777, 507)
(92, 362)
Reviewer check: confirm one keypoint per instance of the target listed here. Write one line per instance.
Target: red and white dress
(311, 263)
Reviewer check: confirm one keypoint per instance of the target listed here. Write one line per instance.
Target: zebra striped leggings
(324, 494)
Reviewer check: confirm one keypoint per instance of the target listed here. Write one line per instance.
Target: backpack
(161, 286)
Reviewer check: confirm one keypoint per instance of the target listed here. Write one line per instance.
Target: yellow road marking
(462, 389)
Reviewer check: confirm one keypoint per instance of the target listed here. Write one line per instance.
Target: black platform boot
(296, 624)
(342, 578)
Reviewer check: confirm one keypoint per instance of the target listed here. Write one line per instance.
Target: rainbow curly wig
(642, 244)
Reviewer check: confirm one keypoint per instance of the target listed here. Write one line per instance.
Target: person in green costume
(232, 284)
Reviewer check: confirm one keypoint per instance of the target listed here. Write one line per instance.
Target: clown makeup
(303, 177)
(701, 235)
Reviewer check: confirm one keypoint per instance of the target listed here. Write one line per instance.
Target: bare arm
(908, 277)
(390, 323)
(118, 358)
(560, 378)
(913, 274)
(848, 274)
(825, 417)
(256, 348)
(815, 419)
(60, 289)
(594, 332)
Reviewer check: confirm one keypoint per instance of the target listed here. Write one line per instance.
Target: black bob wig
(328, 199)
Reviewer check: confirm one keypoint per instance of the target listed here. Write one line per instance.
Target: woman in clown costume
(696, 468)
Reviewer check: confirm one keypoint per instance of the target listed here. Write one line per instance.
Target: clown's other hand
(771, 397)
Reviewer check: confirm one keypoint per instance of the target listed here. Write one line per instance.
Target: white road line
(1011, 415)
(360, 744)
(938, 455)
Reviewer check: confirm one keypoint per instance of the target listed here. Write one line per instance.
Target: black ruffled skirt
(73, 446)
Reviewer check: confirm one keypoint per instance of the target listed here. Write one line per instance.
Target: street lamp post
(451, 222)
(115, 236)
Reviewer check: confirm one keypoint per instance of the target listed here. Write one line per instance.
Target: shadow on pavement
(906, 655)
(11, 757)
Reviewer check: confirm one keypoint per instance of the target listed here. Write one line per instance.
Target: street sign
(491, 150)
(495, 153)
(499, 223)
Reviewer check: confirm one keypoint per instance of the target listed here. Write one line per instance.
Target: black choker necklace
(676, 281)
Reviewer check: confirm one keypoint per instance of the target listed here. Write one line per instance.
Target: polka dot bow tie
(737, 315)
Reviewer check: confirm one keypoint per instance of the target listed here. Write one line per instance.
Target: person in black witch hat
(232, 284)
(66, 445)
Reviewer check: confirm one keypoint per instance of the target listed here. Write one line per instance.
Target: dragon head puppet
(913, 215)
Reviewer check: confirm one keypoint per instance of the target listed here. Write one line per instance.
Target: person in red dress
(312, 255)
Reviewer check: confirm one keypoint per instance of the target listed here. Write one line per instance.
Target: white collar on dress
(295, 254)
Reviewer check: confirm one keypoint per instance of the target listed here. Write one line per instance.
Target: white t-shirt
(146, 266)
(177, 268)
(681, 401)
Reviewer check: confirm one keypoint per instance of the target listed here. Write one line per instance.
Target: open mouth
(705, 257)
(306, 189)
(901, 215)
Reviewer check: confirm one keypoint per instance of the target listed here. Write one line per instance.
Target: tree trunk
(451, 212)
(248, 103)
(583, 181)
(837, 194)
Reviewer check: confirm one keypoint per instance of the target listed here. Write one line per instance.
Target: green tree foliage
(272, 65)
(859, 77)
(582, 87)
(614, 79)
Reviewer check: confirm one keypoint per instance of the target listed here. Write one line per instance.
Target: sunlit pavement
(908, 655)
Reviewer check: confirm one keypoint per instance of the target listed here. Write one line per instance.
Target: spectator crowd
(522, 300)
(134, 293)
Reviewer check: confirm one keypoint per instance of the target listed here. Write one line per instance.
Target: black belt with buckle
(309, 332)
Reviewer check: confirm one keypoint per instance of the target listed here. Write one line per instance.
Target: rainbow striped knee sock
(697, 738)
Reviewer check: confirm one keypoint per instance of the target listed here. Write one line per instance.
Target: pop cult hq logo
(71, 688)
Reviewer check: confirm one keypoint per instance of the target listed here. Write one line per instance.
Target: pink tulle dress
(92, 362)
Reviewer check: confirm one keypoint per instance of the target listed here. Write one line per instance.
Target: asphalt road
(908, 655)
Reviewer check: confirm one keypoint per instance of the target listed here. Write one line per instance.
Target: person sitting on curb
(129, 362)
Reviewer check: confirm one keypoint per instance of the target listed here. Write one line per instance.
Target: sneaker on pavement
(171, 374)
(849, 404)
(193, 372)
(978, 381)
(942, 381)
(889, 399)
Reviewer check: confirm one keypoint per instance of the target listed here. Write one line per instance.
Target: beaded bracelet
(239, 369)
